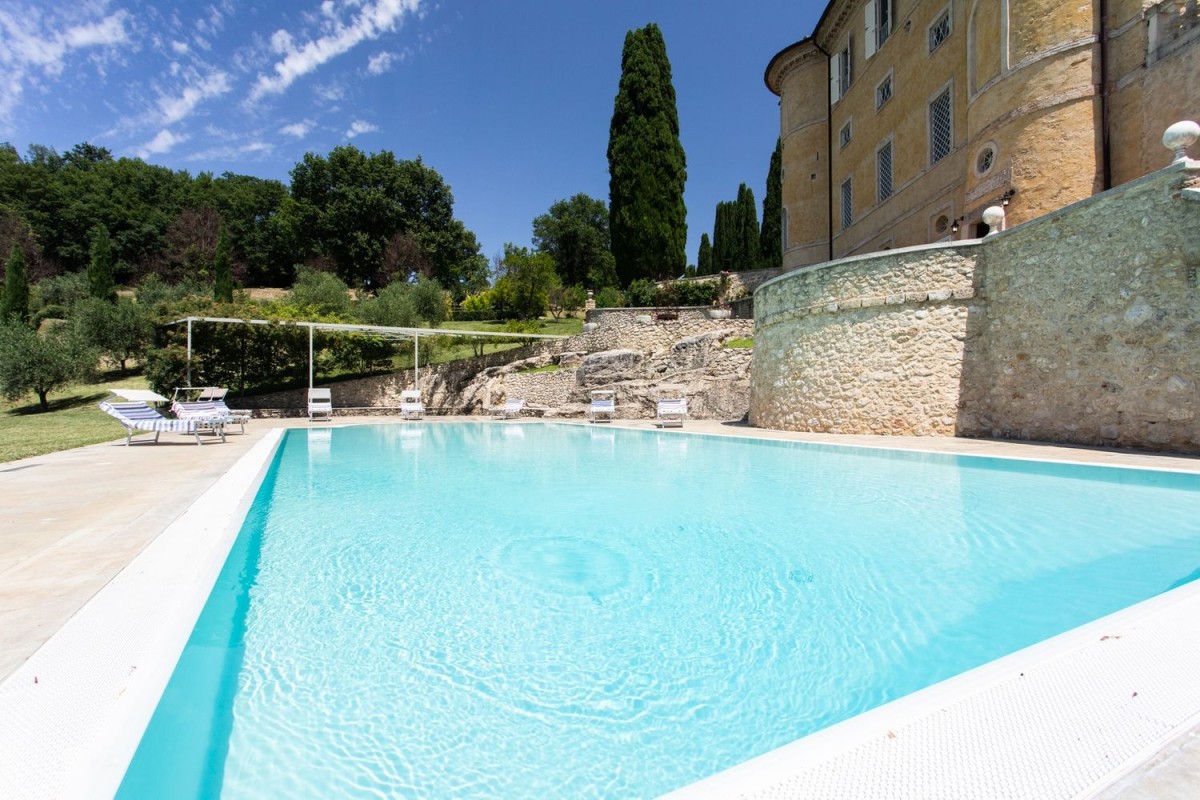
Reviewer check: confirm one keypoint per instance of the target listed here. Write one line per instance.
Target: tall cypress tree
(770, 239)
(704, 259)
(747, 229)
(100, 269)
(646, 164)
(15, 302)
(725, 238)
(222, 273)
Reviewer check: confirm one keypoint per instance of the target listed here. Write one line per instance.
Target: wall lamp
(1004, 198)
(954, 225)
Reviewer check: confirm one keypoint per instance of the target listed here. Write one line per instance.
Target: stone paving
(72, 520)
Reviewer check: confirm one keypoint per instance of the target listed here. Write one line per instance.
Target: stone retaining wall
(1080, 326)
(637, 328)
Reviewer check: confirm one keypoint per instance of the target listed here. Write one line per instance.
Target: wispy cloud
(298, 129)
(33, 41)
(201, 88)
(380, 63)
(372, 20)
(161, 143)
(359, 127)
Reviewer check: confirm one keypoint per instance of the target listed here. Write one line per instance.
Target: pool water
(487, 610)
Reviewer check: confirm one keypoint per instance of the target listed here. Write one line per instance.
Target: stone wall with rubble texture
(1091, 330)
(1080, 326)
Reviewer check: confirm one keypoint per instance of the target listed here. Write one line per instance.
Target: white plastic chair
(511, 408)
(411, 406)
(320, 404)
(603, 406)
(671, 412)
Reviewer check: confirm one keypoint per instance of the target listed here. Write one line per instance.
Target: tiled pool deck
(1110, 710)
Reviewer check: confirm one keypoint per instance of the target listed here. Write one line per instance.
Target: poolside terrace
(75, 520)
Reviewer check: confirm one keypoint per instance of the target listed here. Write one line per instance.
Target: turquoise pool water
(555, 611)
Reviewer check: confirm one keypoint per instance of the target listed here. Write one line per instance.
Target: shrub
(609, 297)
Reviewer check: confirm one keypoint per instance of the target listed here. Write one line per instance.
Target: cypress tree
(704, 259)
(770, 239)
(15, 302)
(725, 238)
(646, 164)
(222, 274)
(747, 229)
(100, 269)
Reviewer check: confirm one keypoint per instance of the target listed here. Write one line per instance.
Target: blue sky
(510, 100)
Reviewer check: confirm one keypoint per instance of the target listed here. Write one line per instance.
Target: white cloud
(179, 47)
(298, 129)
(359, 126)
(281, 42)
(380, 63)
(31, 40)
(174, 109)
(372, 20)
(163, 141)
(257, 147)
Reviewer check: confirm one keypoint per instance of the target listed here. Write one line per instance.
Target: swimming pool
(554, 610)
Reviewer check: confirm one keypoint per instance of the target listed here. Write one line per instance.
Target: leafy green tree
(222, 272)
(393, 306)
(351, 205)
(575, 234)
(120, 331)
(704, 258)
(15, 302)
(40, 363)
(430, 301)
(323, 293)
(523, 288)
(565, 299)
(771, 235)
(646, 164)
(100, 269)
(609, 297)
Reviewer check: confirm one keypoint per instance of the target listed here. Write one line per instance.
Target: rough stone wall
(1090, 327)
(870, 344)
(1081, 326)
(637, 328)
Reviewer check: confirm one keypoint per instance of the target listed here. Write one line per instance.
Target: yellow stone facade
(971, 103)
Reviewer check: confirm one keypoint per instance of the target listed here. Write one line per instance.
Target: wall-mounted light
(1004, 198)
(954, 225)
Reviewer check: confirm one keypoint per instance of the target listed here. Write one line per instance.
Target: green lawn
(72, 421)
(568, 326)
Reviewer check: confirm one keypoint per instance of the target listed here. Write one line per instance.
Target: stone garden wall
(1080, 326)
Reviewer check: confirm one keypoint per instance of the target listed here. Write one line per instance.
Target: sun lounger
(411, 406)
(511, 408)
(603, 406)
(671, 412)
(141, 417)
(320, 404)
(209, 410)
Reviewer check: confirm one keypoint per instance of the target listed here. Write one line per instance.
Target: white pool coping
(75, 711)
(1066, 718)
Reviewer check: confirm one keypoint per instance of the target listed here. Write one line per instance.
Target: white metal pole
(310, 359)
(416, 362)
(189, 353)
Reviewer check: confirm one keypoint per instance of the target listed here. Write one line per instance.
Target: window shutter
(869, 14)
(835, 76)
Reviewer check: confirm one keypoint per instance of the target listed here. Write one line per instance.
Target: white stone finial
(1179, 137)
(993, 217)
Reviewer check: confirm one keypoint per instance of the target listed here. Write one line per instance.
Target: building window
(847, 204)
(985, 160)
(939, 31)
(840, 73)
(845, 134)
(883, 171)
(883, 92)
(877, 24)
(940, 132)
(783, 234)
